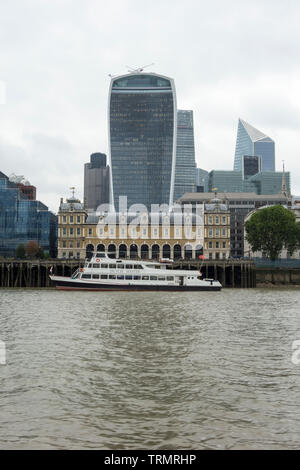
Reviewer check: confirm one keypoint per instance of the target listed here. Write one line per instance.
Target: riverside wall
(35, 273)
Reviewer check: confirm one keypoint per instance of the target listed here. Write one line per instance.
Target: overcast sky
(229, 59)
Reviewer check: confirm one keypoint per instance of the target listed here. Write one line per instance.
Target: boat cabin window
(96, 265)
(161, 278)
(112, 266)
(90, 265)
(137, 278)
(138, 266)
(128, 266)
(153, 278)
(86, 276)
(112, 276)
(170, 278)
(120, 266)
(121, 278)
(128, 278)
(103, 276)
(145, 278)
(95, 276)
(104, 266)
(100, 255)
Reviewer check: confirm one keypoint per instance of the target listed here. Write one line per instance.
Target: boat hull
(73, 285)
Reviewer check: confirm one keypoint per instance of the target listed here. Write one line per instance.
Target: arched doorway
(155, 251)
(111, 250)
(133, 251)
(177, 251)
(188, 252)
(122, 251)
(89, 251)
(145, 252)
(101, 248)
(166, 251)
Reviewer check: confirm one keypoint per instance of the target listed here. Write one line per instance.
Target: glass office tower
(22, 220)
(185, 155)
(267, 182)
(142, 122)
(252, 142)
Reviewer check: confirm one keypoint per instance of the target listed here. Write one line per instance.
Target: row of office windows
(217, 219)
(71, 219)
(70, 231)
(70, 244)
(217, 245)
(144, 232)
(217, 232)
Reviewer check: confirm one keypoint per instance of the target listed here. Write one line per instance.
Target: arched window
(155, 251)
(166, 251)
(177, 252)
(89, 251)
(144, 251)
(111, 250)
(101, 248)
(122, 251)
(133, 251)
(188, 252)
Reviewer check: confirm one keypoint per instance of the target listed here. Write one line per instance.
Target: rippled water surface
(149, 370)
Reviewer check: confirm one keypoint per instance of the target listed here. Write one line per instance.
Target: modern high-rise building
(201, 178)
(142, 125)
(185, 155)
(23, 220)
(252, 142)
(267, 182)
(96, 181)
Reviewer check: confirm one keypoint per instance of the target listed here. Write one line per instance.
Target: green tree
(20, 251)
(271, 229)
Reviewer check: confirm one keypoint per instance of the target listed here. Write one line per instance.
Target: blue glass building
(252, 142)
(185, 155)
(142, 123)
(267, 182)
(22, 220)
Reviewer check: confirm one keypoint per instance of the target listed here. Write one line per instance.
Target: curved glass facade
(142, 126)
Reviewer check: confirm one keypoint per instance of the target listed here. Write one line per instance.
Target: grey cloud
(228, 59)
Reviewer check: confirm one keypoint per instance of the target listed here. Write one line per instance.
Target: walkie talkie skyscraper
(142, 125)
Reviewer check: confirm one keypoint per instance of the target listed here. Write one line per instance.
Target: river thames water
(90, 370)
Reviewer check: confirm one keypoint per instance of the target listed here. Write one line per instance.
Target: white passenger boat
(106, 274)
